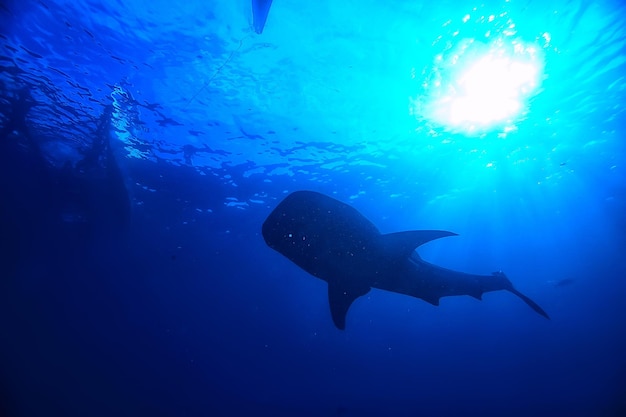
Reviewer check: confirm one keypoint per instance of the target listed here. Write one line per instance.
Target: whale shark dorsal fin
(402, 244)
(340, 299)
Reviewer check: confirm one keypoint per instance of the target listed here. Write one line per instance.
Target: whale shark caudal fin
(524, 298)
(530, 302)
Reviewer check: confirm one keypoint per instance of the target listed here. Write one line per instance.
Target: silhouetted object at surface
(23, 180)
(15, 110)
(50, 213)
(333, 241)
(260, 10)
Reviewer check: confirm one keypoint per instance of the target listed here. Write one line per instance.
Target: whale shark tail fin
(524, 298)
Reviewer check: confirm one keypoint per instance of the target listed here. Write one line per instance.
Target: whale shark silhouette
(334, 242)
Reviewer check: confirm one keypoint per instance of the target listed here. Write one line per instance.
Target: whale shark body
(334, 242)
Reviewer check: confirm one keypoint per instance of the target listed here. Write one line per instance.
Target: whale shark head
(319, 234)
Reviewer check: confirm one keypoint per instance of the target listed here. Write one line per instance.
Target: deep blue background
(181, 310)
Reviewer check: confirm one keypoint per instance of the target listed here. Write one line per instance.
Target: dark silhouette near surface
(260, 10)
(48, 212)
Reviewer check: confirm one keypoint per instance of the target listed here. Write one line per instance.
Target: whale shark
(332, 241)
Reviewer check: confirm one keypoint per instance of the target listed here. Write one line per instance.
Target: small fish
(562, 282)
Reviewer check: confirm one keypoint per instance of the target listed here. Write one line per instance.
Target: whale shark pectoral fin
(340, 299)
(402, 244)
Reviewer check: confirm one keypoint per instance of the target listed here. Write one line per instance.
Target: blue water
(145, 142)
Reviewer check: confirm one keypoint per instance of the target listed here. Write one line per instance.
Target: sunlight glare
(490, 90)
(481, 87)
